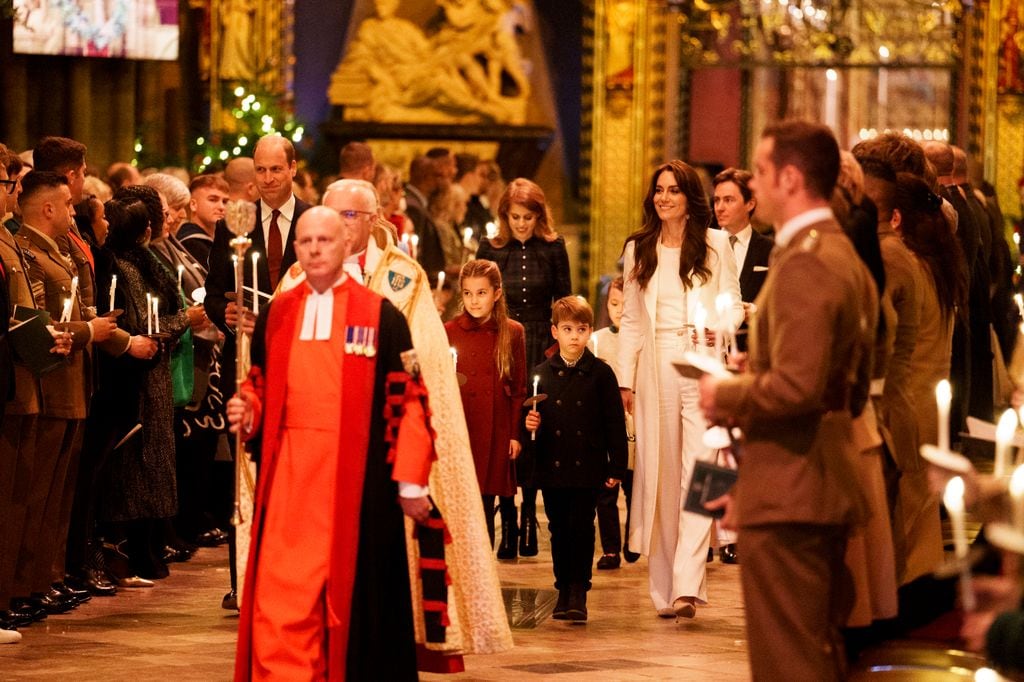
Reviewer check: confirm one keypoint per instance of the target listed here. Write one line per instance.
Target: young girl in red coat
(492, 357)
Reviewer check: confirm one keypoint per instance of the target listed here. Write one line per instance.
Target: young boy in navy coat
(581, 446)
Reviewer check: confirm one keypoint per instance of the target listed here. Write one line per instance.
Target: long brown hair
(503, 348)
(925, 231)
(693, 260)
(529, 194)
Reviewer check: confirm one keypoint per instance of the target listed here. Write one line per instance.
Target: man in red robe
(327, 591)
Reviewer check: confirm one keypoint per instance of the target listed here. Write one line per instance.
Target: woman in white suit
(673, 266)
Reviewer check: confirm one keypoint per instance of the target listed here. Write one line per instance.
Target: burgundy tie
(275, 252)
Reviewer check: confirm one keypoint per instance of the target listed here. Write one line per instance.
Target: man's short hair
(239, 172)
(58, 154)
(465, 163)
(208, 181)
(901, 151)
(354, 157)
(738, 177)
(572, 309)
(37, 181)
(811, 148)
(437, 153)
(421, 171)
(284, 142)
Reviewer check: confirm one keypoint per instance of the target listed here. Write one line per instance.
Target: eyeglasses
(9, 185)
(352, 215)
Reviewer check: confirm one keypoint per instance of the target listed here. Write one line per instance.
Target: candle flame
(1017, 482)
(953, 497)
(1007, 426)
(943, 392)
(723, 302)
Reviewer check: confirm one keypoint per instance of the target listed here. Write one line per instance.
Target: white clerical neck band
(318, 316)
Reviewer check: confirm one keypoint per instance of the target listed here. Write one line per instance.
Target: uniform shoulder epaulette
(811, 241)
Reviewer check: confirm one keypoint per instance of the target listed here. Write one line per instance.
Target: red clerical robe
(328, 578)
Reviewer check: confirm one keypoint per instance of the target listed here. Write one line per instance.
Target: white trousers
(679, 540)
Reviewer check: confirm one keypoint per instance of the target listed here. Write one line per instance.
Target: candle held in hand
(255, 283)
(943, 397)
(156, 314)
(536, 384)
(181, 271)
(1004, 441)
(953, 499)
(1017, 498)
(440, 281)
(113, 290)
(455, 357)
(149, 313)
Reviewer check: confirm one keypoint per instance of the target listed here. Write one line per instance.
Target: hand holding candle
(536, 385)
(953, 499)
(943, 397)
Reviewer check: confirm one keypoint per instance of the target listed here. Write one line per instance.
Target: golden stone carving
(393, 72)
(237, 56)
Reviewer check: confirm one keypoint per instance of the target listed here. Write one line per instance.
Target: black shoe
(561, 605)
(528, 535)
(78, 596)
(175, 554)
(230, 601)
(608, 562)
(711, 554)
(94, 580)
(576, 611)
(10, 620)
(52, 601)
(211, 538)
(26, 607)
(509, 537)
(728, 554)
(630, 556)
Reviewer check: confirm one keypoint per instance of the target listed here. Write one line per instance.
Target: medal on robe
(371, 345)
(360, 348)
(350, 334)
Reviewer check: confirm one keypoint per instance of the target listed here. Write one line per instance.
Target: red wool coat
(493, 407)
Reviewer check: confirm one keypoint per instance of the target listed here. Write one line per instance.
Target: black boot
(576, 610)
(509, 533)
(528, 534)
(562, 605)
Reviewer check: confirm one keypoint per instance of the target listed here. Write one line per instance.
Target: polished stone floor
(177, 631)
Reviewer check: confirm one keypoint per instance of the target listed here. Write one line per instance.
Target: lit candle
(536, 385)
(440, 281)
(700, 318)
(405, 242)
(65, 315)
(255, 283)
(415, 239)
(953, 498)
(1017, 498)
(724, 304)
(74, 289)
(156, 314)
(492, 229)
(943, 397)
(1019, 300)
(1004, 438)
(149, 313)
(234, 266)
(181, 271)
(113, 289)
(455, 357)
(467, 237)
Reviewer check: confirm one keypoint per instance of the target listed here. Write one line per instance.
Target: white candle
(943, 397)
(492, 229)
(953, 498)
(156, 314)
(467, 237)
(700, 318)
(65, 314)
(234, 266)
(74, 289)
(1004, 438)
(724, 304)
(149, 313)
(255, 283)
(1019, 300)
(181, 271)
(536, 384)
(455, 357)
(415, 245)
(113, 290)
(440, 281)
(1017, 498)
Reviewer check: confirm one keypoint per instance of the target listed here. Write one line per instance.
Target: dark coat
(758, 250)
(492, 406)
(535, 274)
(582, 438)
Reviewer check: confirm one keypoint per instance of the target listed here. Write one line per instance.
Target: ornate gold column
(627, 122)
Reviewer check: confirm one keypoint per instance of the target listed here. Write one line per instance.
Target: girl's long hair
(693, 260)
(925, 232)
(503, 348)
(529, 194)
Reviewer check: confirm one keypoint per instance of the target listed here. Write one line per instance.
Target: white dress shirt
(741, 245)
(284, 221)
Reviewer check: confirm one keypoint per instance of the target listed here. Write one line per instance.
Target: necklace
(568, 362)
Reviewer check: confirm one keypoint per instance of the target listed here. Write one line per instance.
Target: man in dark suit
(798, 493)
(424, 177)
(734, 205)
(273, 238)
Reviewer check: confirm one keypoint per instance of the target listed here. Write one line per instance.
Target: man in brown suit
(47, 210)
(808, 371)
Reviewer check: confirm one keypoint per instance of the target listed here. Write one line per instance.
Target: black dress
(535, 274)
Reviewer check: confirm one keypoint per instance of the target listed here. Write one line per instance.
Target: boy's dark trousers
(608, 514)
(570, 513)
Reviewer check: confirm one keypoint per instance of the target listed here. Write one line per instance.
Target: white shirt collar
(743, 236)
(287, 210)
(373, 255)
(792, 226)
(318, 316)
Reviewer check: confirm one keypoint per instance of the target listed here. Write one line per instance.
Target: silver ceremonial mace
(240, 217)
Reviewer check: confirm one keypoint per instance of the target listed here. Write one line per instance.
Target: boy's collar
(583, 363)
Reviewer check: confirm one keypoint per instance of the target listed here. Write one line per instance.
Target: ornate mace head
(240, 217)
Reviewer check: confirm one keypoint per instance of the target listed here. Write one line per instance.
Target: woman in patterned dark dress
(535, 271)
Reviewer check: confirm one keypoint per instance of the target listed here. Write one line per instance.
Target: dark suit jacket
(758, 250)
(429, 252)
(221, 279)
